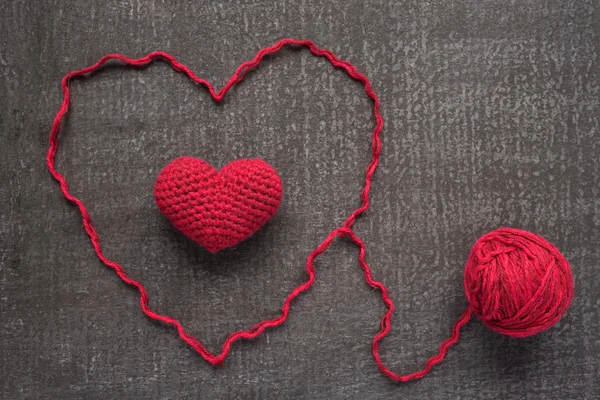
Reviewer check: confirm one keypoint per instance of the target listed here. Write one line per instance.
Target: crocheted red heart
(218, 209)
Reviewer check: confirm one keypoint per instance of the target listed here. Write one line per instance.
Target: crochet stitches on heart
(218, 209)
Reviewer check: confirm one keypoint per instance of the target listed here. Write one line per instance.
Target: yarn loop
(515, 281)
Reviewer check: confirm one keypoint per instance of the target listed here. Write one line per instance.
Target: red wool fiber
(517, 283)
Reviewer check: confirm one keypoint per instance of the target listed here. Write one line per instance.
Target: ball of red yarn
(518, 283)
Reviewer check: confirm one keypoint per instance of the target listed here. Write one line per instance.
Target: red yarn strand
(346, 230)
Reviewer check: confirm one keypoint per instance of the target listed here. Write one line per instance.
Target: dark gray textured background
(492, 119)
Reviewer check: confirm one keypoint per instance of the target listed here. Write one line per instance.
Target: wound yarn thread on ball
(218, 209)
(517, 283)
(342, 231)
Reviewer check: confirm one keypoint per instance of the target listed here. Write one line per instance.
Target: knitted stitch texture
(218, 209)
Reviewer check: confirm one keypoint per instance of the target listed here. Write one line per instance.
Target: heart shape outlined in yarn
(218, 209)
(345, 230)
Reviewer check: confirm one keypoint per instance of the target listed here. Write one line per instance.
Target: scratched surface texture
(492, 119)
